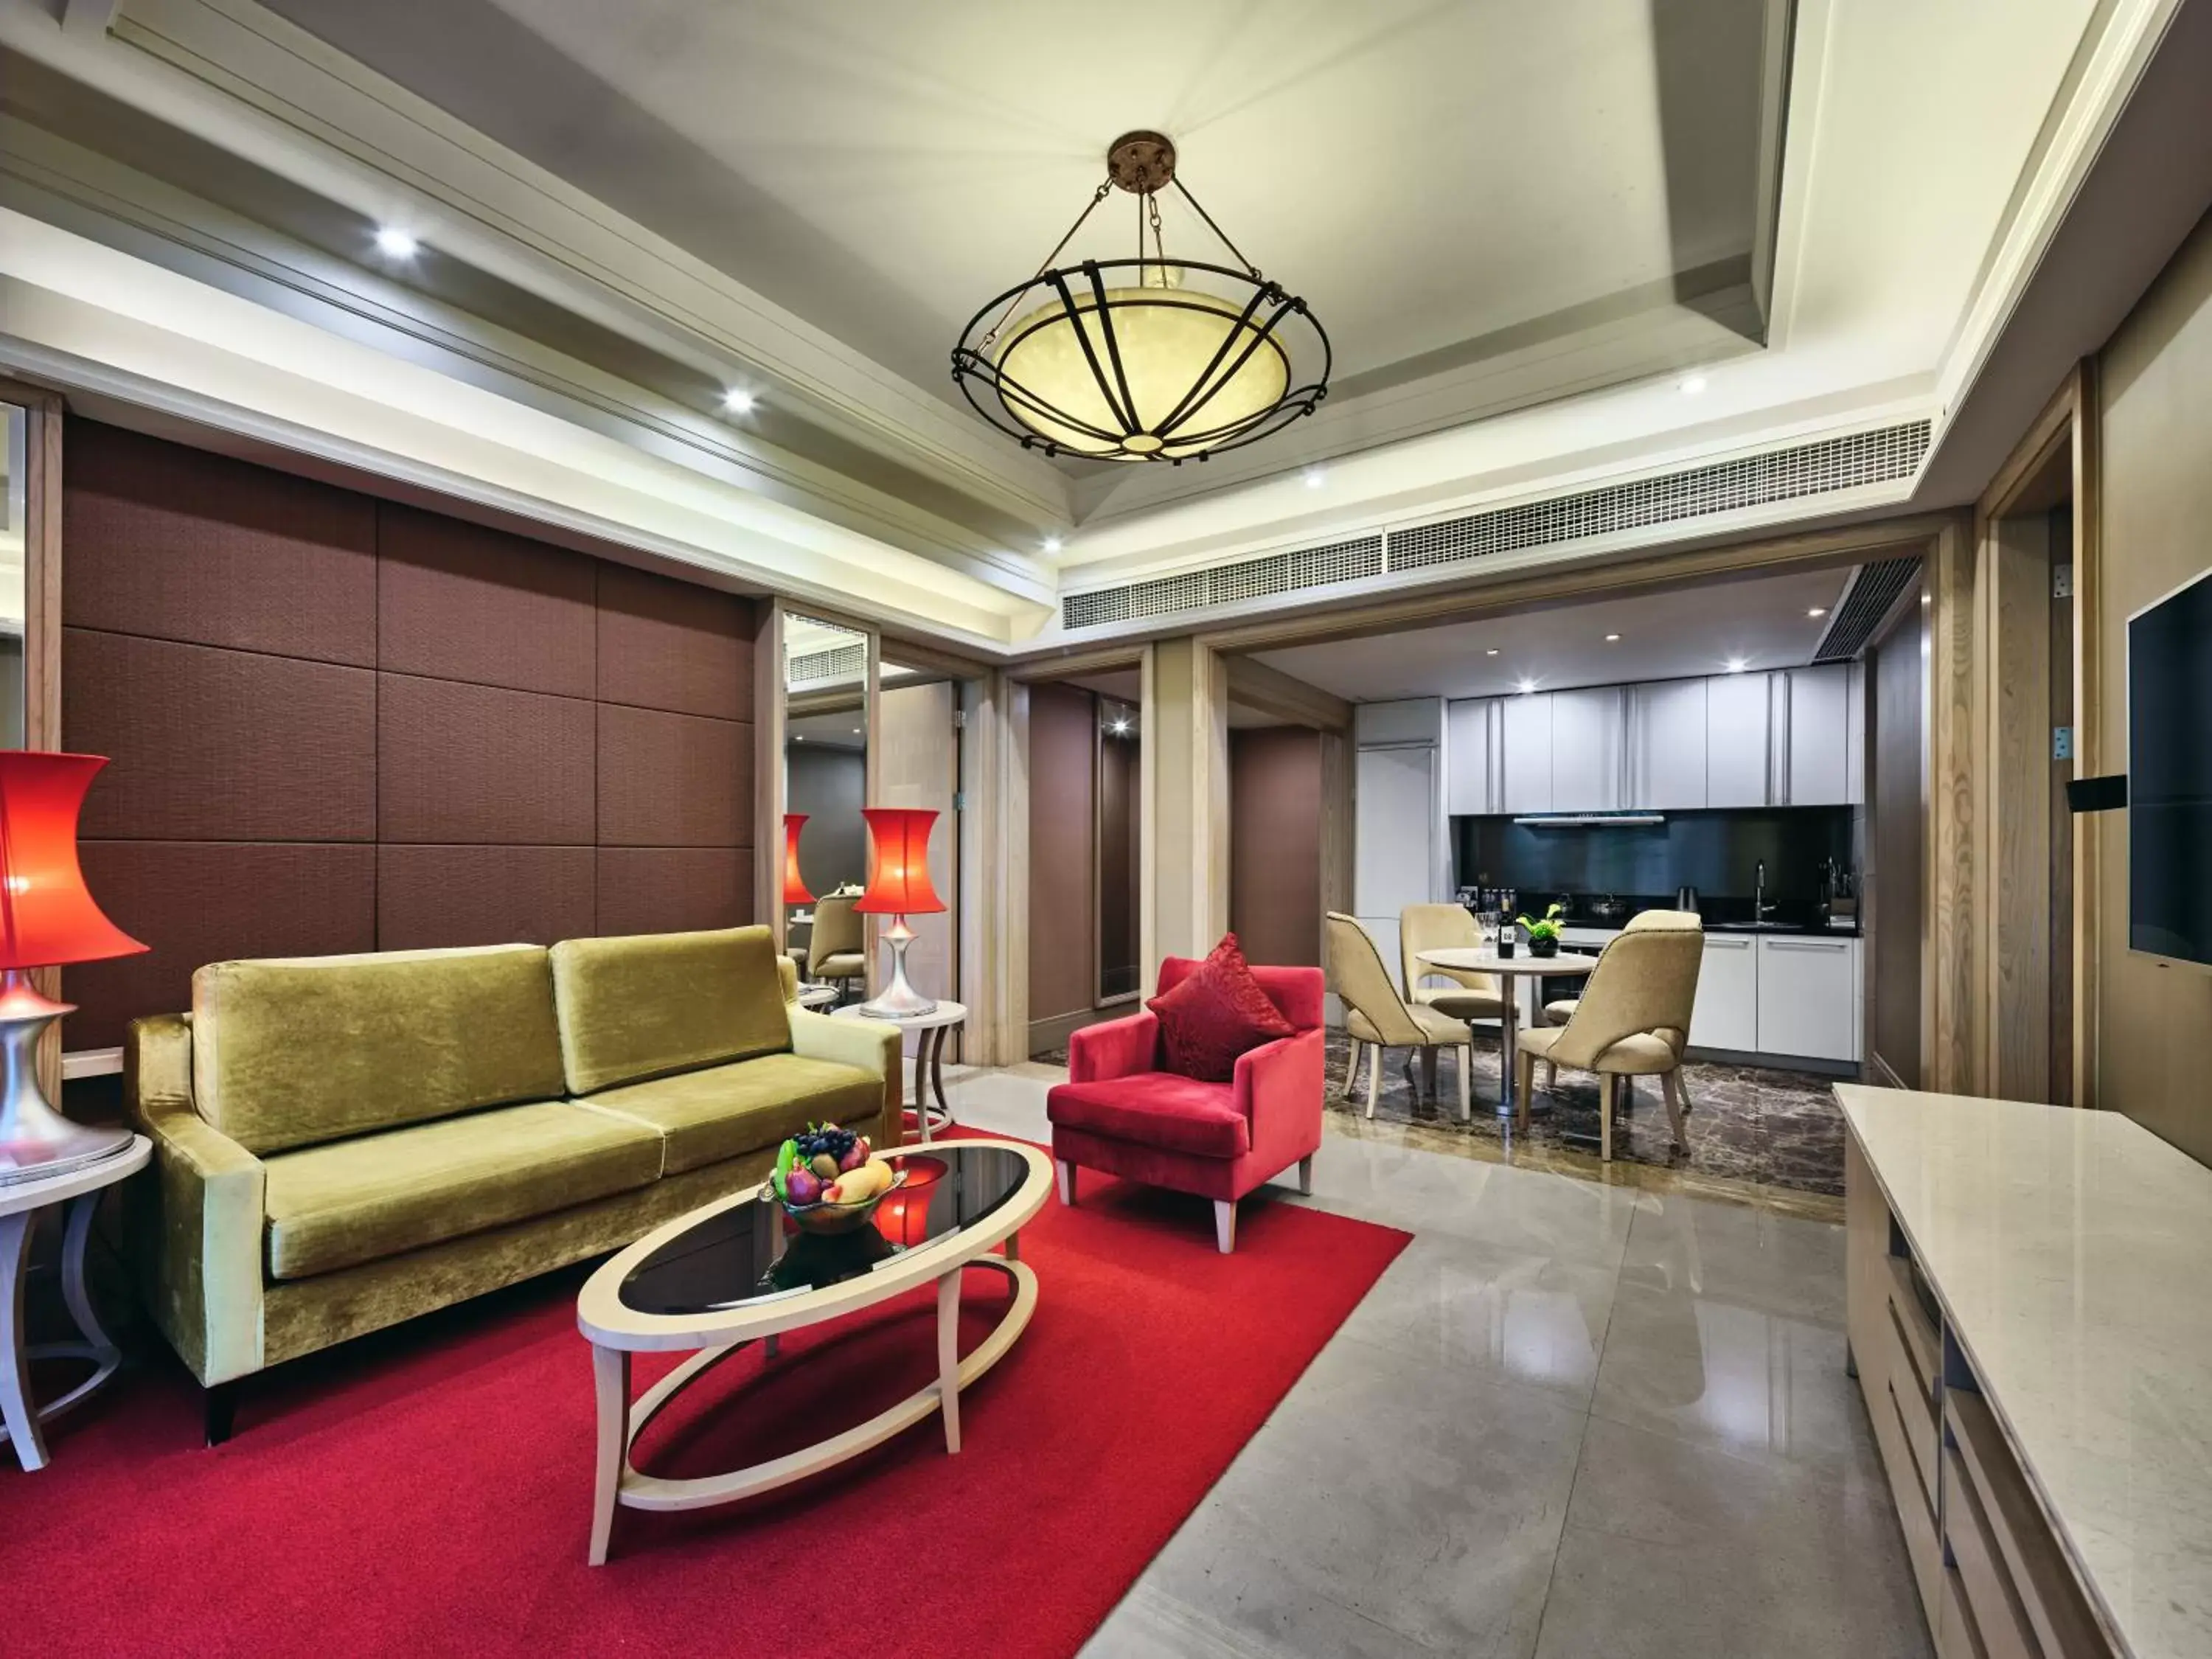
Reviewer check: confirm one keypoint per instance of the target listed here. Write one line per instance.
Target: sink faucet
(1761, 905)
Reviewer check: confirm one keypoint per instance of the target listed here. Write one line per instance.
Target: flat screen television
(2170, 774)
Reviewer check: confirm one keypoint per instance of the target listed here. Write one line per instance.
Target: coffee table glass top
(742, 1255)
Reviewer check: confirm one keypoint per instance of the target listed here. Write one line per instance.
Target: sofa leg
(1224, 1224)
(1066, 1173)
(219, 1411)
(1305, 1174)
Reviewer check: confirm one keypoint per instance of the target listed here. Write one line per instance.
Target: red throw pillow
(1216, 1014)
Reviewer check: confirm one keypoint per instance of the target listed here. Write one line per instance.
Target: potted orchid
(1544, 935)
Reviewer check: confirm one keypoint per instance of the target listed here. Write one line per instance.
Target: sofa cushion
(363, 1200)
(289, 1052)
(1215, 1013)
(655, 1004)
(725, 1111)
(1156, 1109)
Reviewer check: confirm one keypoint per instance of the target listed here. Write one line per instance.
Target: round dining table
(1484, 959)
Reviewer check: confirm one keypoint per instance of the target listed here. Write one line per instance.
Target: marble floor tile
(1749, 1256)
(1675, 1550)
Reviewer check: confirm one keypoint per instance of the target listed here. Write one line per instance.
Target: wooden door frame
(44, 419)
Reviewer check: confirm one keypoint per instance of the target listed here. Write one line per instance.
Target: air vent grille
(1782, 474)
(837, 665)
(1251, 579)
(1875, 588)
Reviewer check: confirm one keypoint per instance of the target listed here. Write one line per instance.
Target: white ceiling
(1666, 634)
(835, 730)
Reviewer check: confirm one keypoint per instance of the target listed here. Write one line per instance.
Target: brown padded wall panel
(669, 889)
(176, 543)
(200, 902)
(673, 780)
(439, 896)
(457, 601)
(667, 644)
(479, 763)
(219, 746)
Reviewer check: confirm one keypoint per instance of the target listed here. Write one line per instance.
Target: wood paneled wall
(1275, 843)
(1063, 945)
(342, 724)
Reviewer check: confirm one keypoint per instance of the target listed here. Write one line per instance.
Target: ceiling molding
(242, 78)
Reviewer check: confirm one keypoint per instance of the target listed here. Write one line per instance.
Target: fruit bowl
(824, 1217)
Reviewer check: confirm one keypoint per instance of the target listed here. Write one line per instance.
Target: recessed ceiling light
(1818, 610)
(1737, 665)
(1689, 385)
(1527, 685)
(1120, 728)
(1612, 639)
(799, 737)
(1316, 477)
(394, 243)
(739, 401)
(1491, 652)
(1051, 543)
(856, 731)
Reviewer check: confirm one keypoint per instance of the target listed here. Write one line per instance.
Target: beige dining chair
(1378, 1018)
(1632, 1020)
(836, 949)
(1560, 1010)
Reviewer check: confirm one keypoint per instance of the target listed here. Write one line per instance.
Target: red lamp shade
(794, 886)
(898, 862)
(46, 915)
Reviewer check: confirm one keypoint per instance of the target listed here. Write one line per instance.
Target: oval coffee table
(728, 1275)
(1484, 959)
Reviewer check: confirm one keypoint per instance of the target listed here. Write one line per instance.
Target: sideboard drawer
(1999, 1619)
(1980, 1465)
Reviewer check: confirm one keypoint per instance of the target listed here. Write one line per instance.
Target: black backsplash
(1716, 852)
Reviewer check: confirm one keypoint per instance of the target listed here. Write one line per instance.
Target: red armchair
(1118, 1112)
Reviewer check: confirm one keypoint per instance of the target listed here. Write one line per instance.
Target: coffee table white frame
(615, 1331)
(1482, 959)
(935, 1026)
(20, 1204)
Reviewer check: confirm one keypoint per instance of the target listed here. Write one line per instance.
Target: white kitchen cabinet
(1817, 765)
(1527, 772)
(1739, 735)
(1474, 753)
(1726, 1012)
(1666, 745)
(1807, 992)
(1395, 839)
(1587, 733)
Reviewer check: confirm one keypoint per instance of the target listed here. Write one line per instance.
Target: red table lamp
(794, 886)
(47, 918)
(898, 887)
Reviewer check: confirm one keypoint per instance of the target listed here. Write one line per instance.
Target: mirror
(825, 771)
(13, 534)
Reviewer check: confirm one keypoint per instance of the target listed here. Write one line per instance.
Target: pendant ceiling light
(1144, 359)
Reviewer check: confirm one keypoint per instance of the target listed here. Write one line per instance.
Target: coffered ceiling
(1554, 246)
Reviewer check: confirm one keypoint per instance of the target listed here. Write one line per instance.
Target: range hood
(1589, 820)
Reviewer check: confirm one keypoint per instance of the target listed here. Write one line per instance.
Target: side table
(934, 1027)
(20, 1204)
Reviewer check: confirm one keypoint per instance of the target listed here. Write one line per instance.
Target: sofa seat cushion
(726, 1111)
(1156, 1109)
(351, 1201)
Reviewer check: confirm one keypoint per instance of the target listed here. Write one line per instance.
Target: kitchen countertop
(2070, 1250)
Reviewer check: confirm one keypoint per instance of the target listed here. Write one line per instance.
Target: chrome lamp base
(899, 999)
(36, 1142)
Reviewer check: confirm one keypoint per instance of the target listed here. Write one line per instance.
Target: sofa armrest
(872, 1046)
(1115, 1047)
(197, 1227)
(1279, 1087)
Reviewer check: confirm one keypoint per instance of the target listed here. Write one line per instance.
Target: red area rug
(428, 1490)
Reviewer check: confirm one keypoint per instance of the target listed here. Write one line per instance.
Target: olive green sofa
(341, 1143)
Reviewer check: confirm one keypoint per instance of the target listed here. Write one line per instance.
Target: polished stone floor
(1575, 1416)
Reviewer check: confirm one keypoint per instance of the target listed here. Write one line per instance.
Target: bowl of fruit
(825, 1181)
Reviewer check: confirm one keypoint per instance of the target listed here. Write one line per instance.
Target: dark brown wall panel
(460, 762)
(460, 602)
(666, 644)
(178, 545)
(661, 890)
(673, 780)
(199, 902)
(1274, 844)
(430, 896)
(219, 746)
(1063, 869)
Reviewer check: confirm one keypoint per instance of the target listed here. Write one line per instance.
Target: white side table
(816, 996)
(20, 1204)
(935, 1027)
